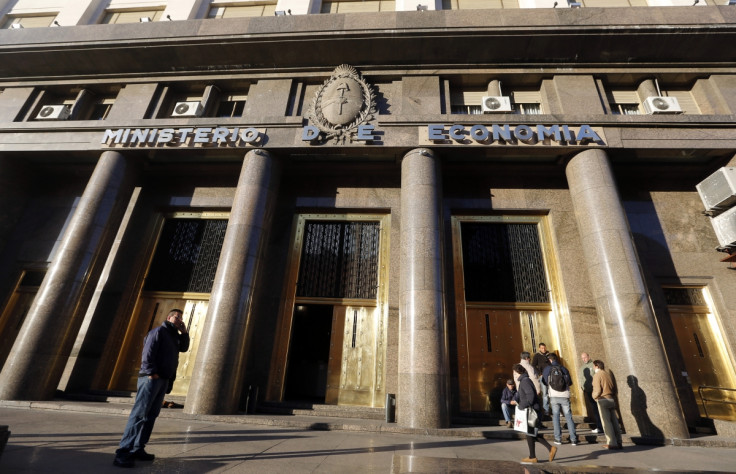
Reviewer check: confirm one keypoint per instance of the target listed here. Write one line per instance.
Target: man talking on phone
(160, 359)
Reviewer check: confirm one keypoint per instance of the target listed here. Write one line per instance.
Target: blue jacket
(161, 351)
(508, 395)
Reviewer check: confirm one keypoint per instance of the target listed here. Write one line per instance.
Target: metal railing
(704, 399)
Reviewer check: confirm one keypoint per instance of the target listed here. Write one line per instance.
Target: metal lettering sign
(186, 137)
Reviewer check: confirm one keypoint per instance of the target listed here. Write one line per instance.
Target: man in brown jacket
(603, 390)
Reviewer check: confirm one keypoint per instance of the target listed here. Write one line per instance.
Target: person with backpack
(558, 382)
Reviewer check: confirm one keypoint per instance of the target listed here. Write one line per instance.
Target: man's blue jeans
(558, 403)
(505, 407)
(143, 415)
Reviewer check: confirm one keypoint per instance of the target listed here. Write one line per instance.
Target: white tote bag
(520, 420)
(525, 420)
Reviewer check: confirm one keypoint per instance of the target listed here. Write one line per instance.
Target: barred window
(503, 263)
(186, 256)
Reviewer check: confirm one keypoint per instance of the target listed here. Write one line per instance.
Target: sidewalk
(65, 437)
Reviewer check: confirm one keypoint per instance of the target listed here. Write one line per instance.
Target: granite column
(423, 367)
(36, 361)
(636, 356)
(218, 373)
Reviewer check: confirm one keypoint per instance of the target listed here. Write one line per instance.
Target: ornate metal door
(703, 350)
(503, 302)
(337, 261)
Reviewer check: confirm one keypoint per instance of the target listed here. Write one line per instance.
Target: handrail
(704, 399)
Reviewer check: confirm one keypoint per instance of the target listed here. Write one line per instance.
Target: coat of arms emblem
(343, 103)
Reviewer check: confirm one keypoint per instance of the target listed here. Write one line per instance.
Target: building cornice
(647, 37)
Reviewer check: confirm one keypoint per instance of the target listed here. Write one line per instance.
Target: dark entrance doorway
(306, 378)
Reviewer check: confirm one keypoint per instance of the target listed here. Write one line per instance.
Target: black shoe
(123, 461)
(142, 455)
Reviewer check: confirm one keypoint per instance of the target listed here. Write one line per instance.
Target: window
(100, 108)
(527, 102)
(471, 4)
(241, 11)
(358, 6)
(186, 255)
(466, 102)
(624, 102)
(37, 21)
(130, 16)
(231, 106)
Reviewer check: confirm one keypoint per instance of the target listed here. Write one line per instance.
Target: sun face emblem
(341, 104)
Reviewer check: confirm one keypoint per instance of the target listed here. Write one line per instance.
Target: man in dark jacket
(540, 362)
(156, 378)
(508, 401)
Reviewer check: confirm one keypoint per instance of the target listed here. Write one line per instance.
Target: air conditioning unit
(718, 191)
(187, 109)
(491, 103)
(53, 112)
(662, 105)
(725, 227)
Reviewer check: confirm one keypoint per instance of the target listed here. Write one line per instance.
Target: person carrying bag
(527, 416)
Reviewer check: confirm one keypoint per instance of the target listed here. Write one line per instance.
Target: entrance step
(114, 397)
(319, 410)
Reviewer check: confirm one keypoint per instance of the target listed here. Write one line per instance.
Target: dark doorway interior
(306, 379)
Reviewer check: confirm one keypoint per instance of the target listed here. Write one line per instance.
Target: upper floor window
(526, 102)
(74, 104)
(623, 102)
(100, 108)
(629, 101)
(466, 102)
(30, 21)
(353, 6)
(240, 11)
(231, 105)
(470, 4)
(471, 102)
(130, 16)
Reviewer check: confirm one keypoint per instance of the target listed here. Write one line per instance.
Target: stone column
(636, 357)
(423, 367)
(217, 377)
(36, 361)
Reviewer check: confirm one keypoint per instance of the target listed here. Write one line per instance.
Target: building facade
(355, 199)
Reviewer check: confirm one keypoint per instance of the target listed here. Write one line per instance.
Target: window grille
(186, 256)
(339, 260)
(684, 296)
(503, 263)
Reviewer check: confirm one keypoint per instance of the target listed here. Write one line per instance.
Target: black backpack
(556, 378)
